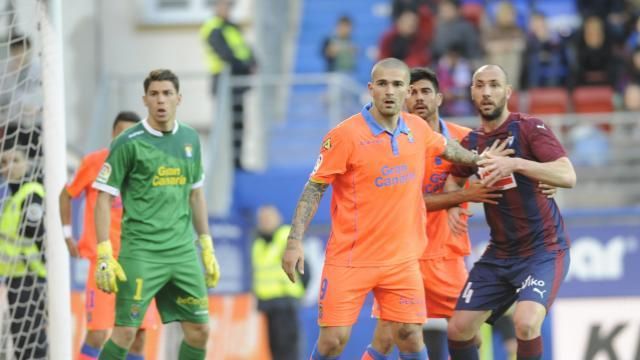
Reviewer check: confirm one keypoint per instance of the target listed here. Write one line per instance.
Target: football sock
(420, 355)
(188, 352)
(111, 351)
(463, 350)
(372, 354)
(87, 352)
(530, 349)
(315, 355)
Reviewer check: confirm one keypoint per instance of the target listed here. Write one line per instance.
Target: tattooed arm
(293, 257)
(455, 153)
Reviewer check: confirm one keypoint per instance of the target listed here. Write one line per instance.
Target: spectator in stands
(451, 28)
(504, 41)
(594, 58)
(612, 13)
(403, 41)
(632, 90)
(454, 72)
(424, 9)
(400, 6)
(633, 40)
(226, 47)
(338, 49)
(546, 57)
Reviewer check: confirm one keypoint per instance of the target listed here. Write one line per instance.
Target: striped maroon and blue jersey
(524, 222)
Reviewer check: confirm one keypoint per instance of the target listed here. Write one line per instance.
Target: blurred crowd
(586, 43)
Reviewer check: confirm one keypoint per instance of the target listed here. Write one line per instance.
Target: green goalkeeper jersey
(154, 173)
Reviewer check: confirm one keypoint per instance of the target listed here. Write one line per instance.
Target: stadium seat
(593, 99)
(473, 12)
(553, 100)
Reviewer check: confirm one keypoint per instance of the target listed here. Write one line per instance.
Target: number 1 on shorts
(138, 295)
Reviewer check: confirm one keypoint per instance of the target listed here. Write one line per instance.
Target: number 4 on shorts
(467, 293)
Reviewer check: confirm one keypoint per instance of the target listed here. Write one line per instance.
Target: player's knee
(96, 338)
(196, 335)
(383, 343)
(124, 336)
(332, 344)
(458, 330)
(526, 328)
(409, 337)
(138, 344)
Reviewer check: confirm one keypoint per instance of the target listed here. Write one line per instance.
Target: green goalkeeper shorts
(179, 289)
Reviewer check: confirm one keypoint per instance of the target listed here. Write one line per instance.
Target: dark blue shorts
(495, 284)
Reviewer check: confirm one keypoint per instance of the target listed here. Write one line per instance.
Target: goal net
(25, 323)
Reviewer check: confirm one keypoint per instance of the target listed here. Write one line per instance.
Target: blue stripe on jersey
(527, 189)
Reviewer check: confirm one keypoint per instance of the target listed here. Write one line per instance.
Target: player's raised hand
(478, 192)
(457, 220)
(498, 148)
(108, 270)
(547, 190)
(293, 259)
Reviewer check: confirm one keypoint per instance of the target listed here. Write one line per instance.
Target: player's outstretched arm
(65, 218)
(293, 258)
(559, 173)
(201, 224)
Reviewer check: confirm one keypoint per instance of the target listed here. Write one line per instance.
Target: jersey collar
(376, 129)
(154, 132)
(444, 130)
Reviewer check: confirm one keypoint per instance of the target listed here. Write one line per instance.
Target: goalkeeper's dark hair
(125, 116)
(424, 73)
(161, 75)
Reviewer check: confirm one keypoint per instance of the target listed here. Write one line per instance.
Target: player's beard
(495, 113)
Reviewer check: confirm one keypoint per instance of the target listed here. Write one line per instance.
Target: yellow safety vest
(234, 40)
(19, 256)
(269, 280)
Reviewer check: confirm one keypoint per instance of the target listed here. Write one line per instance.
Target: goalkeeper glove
(211, 267)
(108, 269)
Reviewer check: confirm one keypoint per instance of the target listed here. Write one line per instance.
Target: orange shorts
(398, 288)
(443, 282)
(443, 279)
(100, 307)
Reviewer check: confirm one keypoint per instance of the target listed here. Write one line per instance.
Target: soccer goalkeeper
(156, 167)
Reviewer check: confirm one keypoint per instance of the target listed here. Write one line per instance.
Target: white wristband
(67, 231)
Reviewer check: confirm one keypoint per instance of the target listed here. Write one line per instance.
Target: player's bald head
(492, 70)
(389, 64)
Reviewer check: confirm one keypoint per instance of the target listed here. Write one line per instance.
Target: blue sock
(420, 355)
(375, 354)
(89, 351)
(463, 350)
(315, 355)
(131, 356)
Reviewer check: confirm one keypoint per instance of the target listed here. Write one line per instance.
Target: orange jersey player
(99, 306)
(375, 162)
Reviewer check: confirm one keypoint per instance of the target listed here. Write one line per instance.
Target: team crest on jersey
(438, 160)
(104, 174)
(188, 150)
(326, 145)
(134, 312)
